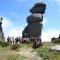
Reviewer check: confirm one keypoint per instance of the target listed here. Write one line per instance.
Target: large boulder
(55, 40)
(33, 30)
(38, 8)
(55, 48)
(34, 18)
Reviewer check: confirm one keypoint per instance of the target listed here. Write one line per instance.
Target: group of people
(36, 40)
(17, 40)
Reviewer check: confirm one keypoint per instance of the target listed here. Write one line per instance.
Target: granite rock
(34, 18)
(38, 8)
(34, 27)
(55, 48)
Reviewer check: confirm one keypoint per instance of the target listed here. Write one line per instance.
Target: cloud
(6, 23)
(10, 29)
(47, 35)
(44, 21)
(17, 31)
(15, 15)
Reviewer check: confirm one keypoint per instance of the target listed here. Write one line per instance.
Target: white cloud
(6, 23)
(17, 31)
(44, 21)
(15, 15)
(10, 29)
(47, 35)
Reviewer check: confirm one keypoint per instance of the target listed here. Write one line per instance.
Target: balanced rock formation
(1, 31)
(34, 27)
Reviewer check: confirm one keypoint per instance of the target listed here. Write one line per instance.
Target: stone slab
(55, 48)
(33, 30)
(35, 18)
(38, 8)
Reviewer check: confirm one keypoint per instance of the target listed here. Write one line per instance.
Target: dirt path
(28, 52)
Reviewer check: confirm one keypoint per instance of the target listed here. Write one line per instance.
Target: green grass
(44, 52)
(7, 54)
(16, 57)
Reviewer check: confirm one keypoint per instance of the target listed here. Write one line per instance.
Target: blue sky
(15, 13)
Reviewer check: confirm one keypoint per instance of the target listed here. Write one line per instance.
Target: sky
(15, 12)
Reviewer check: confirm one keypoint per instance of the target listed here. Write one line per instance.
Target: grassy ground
(24, 52)
(7, 54)
(45, 53)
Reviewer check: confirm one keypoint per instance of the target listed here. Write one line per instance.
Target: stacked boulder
(34, 27)
(1, 31)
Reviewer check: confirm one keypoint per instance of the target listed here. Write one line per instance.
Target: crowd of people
(17, 40)
(36, 40)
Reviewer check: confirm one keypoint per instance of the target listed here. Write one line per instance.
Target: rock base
(1, 36)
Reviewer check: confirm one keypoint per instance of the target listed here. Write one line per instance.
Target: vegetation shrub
(14, 47)
(55, 40)
(16, 57)
(1, 42)
(5, 44)
(28, 42)
(12, 57)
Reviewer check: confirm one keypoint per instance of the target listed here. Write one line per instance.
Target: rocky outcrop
(55, 48)
(1, 30)
(34, 27)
